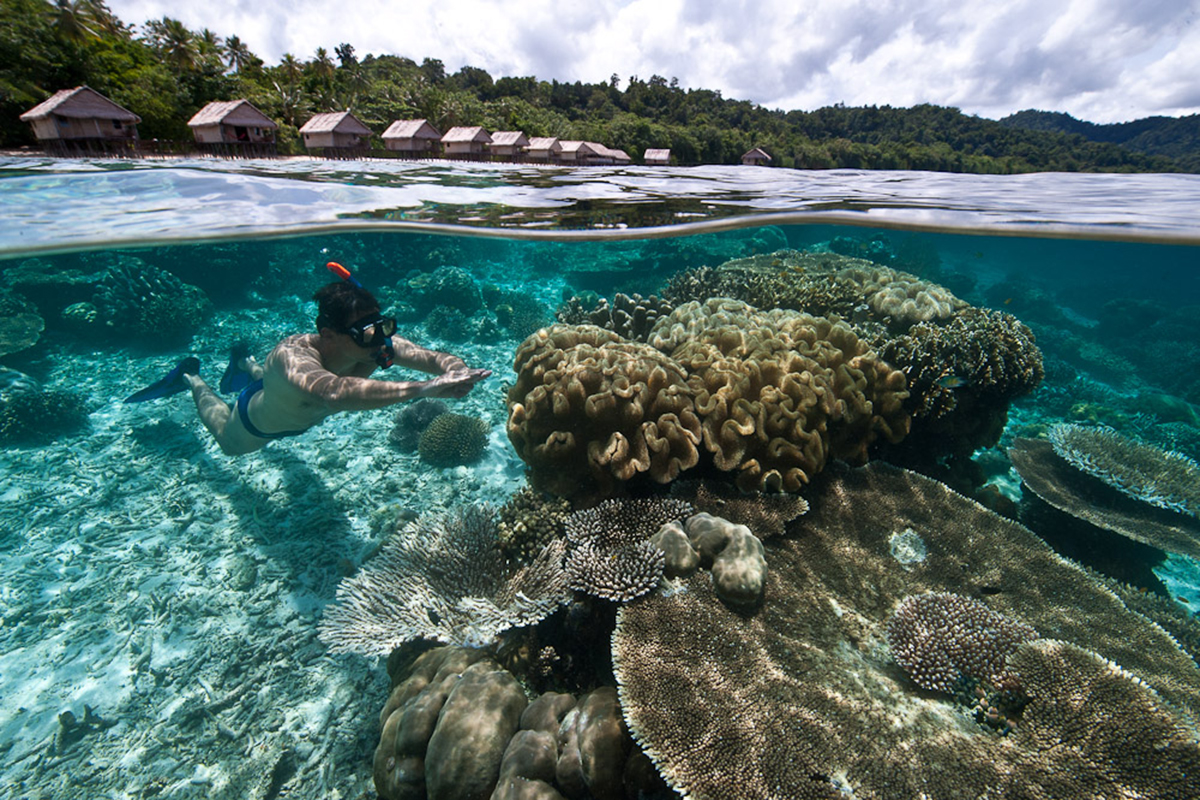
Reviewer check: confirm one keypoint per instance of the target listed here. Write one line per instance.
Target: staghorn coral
(781, 392)
(589, 409)
(442, 578)
(629, 317)
(799, 700)
(1061, 485)
(528, 521)
(939, 638)
(453, 439)
(1161, 478)
(611, 556)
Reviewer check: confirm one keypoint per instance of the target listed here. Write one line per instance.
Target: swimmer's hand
(456, 383)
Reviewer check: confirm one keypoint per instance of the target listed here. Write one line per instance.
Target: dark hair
(340, 303)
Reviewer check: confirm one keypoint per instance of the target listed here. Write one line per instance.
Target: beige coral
(903, 297)
(589, 408)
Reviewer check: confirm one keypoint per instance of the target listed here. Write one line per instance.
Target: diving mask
(373, 330)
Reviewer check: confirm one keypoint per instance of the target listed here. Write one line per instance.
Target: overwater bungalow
(657, 156)
(756, 157)
(465, 140)
(336, 130)
(226, 126)
(412, 136)
(581, 153)
(82, 120)
(619, 157)
(509, 145)
(543, 149)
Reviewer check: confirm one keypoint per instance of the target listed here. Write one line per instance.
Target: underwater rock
(735, 555)
(20, 323)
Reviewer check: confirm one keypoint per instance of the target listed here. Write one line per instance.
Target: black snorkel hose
(385, 356)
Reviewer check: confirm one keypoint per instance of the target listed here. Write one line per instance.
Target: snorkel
(385, 355)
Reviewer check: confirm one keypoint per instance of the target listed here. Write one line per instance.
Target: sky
(1098, 60)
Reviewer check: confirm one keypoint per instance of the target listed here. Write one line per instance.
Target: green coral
(453, 439)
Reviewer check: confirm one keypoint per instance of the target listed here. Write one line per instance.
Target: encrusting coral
(800, 699)
(591, 409)
(1161, 478)
(442, 578)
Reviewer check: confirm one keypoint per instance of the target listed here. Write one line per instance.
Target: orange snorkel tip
(342, 272)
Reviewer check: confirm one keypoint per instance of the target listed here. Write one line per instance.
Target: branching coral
(442, 578)
(1161, 478)
(939, 638)
(589, 409)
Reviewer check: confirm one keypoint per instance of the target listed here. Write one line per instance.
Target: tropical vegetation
(165, 72)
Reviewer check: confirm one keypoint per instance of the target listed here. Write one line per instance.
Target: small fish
(951, 381)
(1007, 300)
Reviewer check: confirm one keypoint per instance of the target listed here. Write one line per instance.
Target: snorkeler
(308, 377)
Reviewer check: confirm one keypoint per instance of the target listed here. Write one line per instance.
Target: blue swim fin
(173, 383)
(235, 378)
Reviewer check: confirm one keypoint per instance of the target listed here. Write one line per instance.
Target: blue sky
(1099, 60)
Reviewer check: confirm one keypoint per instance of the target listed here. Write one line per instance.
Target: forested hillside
(1175, 138)
(165, 72)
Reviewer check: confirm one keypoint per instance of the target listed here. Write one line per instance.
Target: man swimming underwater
(310, 376)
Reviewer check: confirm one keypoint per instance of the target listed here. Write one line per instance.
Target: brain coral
(800, 701)
(781, 392)
(589, 408)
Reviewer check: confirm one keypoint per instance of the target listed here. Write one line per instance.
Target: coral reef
(939, 638)
(20, 323)
(735, 556)
(457, 725)
(30, 414)
(518, 313)
(630, 317)
(528, 521)
(766, 514)
(611, 555)
(449, 324)
(1055, 481)
(589, 409)
(143, 301)
(1165, 479)
(442, 578)
(452, 287)
(453, 439)
(799, 699)
(412, 420)
(781, 392)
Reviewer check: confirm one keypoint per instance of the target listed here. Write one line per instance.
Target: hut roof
(464, 133)
(231, 112)
(657, 153)
(411, 129)
(82, 102)
(335, 121)
(580, 148)
(757, 152)
(510, 138)
(619, 155)
(545, 143)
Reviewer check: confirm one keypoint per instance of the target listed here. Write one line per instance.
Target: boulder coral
(453, 439)
(590, 409)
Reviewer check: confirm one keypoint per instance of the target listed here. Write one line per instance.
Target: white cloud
(1103, 60)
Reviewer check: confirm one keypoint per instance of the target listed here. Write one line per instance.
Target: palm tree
(75, 20)
(237, 54)
(174, 42)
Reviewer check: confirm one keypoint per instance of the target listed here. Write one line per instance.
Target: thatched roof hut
(659, 157)
(580, 153)
(412, 136)
(232, 122)
(544, 149)
(336, 129)
(81, 113)
(756, 157)
(465, 140)
(509, 144)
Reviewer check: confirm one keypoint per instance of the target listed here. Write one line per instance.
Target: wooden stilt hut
(81, 121)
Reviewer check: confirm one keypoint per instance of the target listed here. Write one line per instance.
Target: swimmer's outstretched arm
(413, 356)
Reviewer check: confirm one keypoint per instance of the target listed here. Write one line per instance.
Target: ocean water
(160, 601)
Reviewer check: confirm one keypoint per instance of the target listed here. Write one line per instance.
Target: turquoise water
(177, 592)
